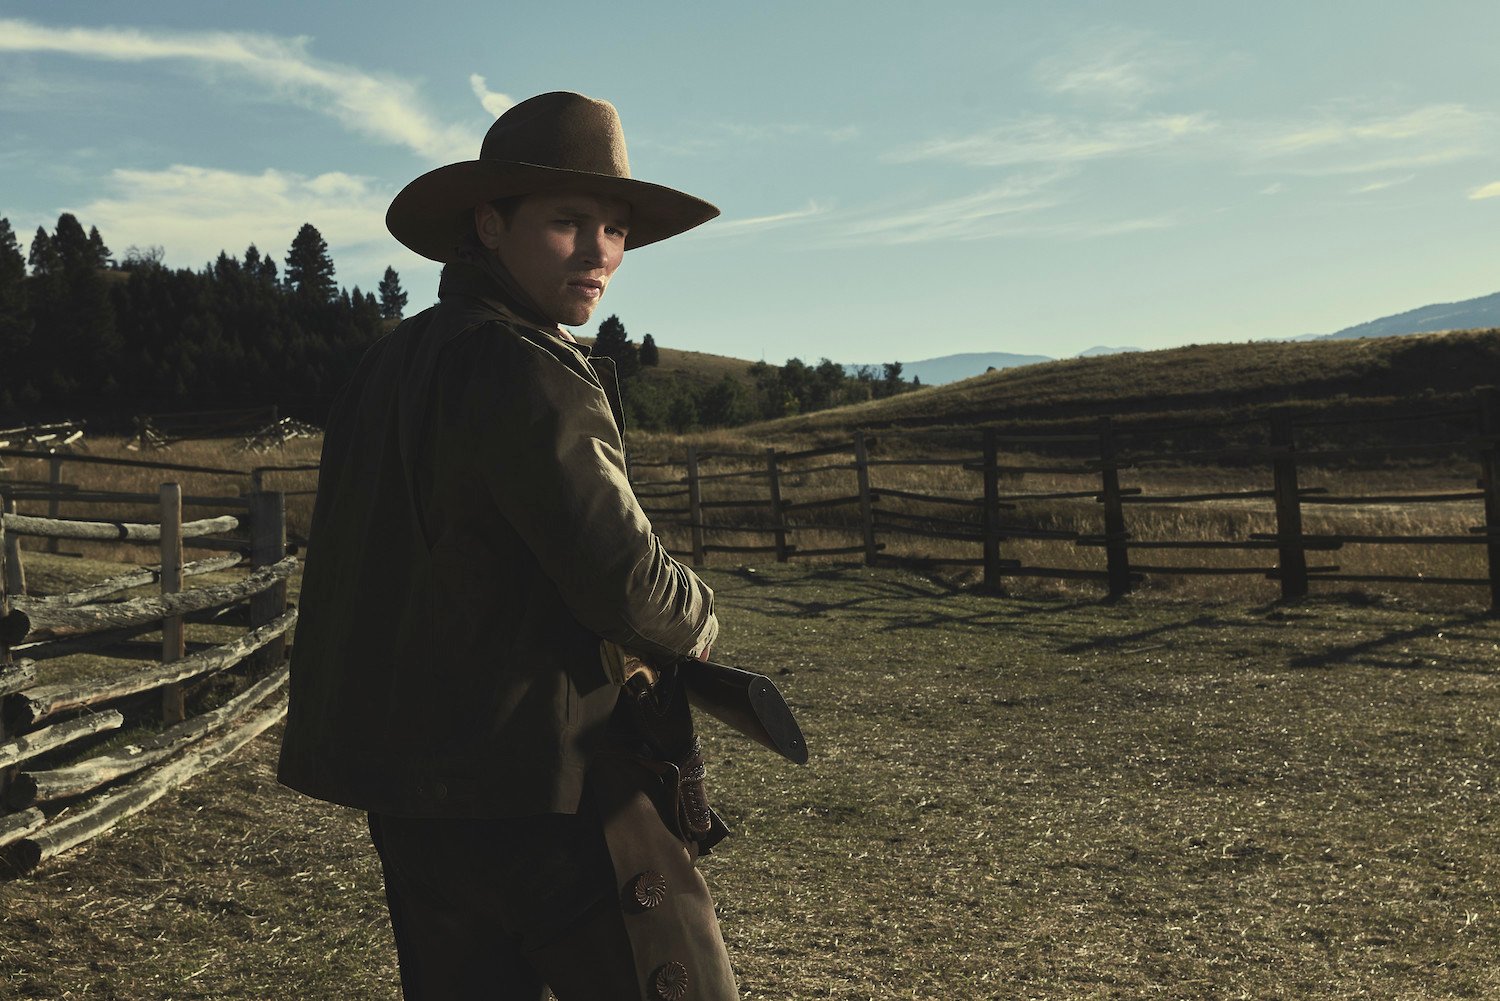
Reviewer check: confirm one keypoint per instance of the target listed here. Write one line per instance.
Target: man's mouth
(589, 288)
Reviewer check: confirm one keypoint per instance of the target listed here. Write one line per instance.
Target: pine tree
(392, 299)
(15, 323)
(72, 243)
(43, 258)
(613, 342)
(100, 252)
(649, 353)
(309, 269)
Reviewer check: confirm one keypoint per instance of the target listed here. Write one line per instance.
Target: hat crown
(561, 130)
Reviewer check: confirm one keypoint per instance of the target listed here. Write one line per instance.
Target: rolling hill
(1193, 384)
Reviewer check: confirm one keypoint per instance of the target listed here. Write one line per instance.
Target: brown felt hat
(556, 141)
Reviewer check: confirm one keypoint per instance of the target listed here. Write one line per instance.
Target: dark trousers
(504, 909)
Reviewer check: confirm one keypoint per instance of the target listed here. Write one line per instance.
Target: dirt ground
(1053, 798)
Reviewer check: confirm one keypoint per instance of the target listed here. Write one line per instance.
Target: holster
(660, 717)
(668, 913)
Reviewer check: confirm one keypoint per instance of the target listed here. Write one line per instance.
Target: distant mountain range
(1470, 314)
(951, 368)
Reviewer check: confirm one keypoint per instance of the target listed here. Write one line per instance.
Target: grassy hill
(696, 367)
(1189, 385)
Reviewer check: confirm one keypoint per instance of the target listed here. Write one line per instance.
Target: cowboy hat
(549, 142)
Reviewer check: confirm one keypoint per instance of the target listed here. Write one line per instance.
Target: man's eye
(614, 231)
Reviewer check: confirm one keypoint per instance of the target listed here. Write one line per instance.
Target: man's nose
(593, 246)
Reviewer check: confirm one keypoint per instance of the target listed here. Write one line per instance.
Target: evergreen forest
(86, 334)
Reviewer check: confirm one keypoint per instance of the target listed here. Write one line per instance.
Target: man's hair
(507, 206)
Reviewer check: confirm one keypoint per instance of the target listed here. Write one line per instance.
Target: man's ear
(488, 225)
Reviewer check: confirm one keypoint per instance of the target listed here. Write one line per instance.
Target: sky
(1036, 178)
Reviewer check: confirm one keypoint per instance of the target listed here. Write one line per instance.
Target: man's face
(561, 247)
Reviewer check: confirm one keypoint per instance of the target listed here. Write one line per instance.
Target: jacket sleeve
(554, 464)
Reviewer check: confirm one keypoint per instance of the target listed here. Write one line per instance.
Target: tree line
(670, 402)
(85, 334)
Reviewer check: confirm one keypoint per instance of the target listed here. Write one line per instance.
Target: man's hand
(621, 665)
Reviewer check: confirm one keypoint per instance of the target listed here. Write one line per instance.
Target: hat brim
(434, 213)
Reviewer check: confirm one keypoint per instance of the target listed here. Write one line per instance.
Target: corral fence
(77, 679)
(57, 435)
(256, 429)
(56, 492)
(849, 500)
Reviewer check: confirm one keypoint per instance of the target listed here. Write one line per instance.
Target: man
(474, 540)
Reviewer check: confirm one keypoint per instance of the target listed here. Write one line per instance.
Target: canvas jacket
(473, 538)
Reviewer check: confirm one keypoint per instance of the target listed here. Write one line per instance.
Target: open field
(1008, 798)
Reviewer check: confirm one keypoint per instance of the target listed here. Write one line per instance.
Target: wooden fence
(256, 429)
(56, 492)
(63, 434)
(697, 505)
(64, 776)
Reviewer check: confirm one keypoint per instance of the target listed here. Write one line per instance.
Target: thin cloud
(494, 102)
(382, 108)
(1048, 139)
(1341, 142)
(722, 137)
(1436, 121)
(195, 212)
(1491, 190)
(977, 216)
(1373, 186)
(1116, 66)
(738, 227)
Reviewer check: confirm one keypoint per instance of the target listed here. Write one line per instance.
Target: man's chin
(574, 317)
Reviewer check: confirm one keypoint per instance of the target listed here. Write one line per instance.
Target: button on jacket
(473, 538)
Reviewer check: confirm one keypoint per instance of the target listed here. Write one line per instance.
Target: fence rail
(59, 785)
(866, 515)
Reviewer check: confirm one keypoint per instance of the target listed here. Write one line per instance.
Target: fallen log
(112, 531)
(73, 780)
(110, 808)
(28, 708)
(54, 622)
(39, 741)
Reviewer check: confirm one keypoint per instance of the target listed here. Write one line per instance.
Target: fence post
(1293, 558)
(268, 546)
(1489, 482)
(866, 504)
(695, 506)
(54, 503)
(173, 646)
(15, 570)
(1116, 553)
(990, 517)
(778, 517)
(5, 773)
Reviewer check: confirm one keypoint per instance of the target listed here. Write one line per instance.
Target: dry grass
(1035, 795)
(1228, 520)
(1008, 798)
(125, 479)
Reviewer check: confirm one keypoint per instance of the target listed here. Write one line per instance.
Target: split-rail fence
(709, 502)
(79, 755)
